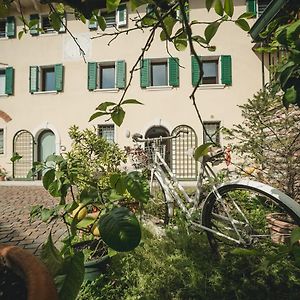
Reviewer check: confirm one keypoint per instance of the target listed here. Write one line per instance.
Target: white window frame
(53, 31)
(219, 84)
(218, 123)
(101, 126)
(41, 78)
(3, 94)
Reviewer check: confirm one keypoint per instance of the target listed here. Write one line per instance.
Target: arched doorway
(23, 144)
(184, 165)
(46, 145)
(157, 131)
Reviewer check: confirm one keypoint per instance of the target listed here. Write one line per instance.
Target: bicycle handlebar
(139, 138)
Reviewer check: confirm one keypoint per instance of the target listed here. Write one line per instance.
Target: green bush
(181, 266)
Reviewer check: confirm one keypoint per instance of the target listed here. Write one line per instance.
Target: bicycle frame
(169, 186)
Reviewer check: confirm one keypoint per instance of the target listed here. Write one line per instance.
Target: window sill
(211, 86)
(45, 92)
(159, 88)
(3, 95)
(112, 90)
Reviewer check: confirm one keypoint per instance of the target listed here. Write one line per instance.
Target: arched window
(157, 131)
(184, 165)
(23, 144)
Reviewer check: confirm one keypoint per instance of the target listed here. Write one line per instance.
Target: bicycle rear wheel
(244, 213)
(157, 208)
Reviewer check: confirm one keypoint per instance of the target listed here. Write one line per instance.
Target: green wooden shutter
(59, 77)
(122, 15)
(92, 76)
(251, 6)
(144, 73)
(173, 71)
(120, 74)
(9, 81)
(195, 71)
(33, 79)
(226, 76)
(34, 29)
(11, 27)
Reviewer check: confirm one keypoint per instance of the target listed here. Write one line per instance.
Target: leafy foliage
(268, 141)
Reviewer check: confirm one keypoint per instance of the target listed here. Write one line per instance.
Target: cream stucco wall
(169, 107)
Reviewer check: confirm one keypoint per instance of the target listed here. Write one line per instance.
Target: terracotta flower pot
(39, 283)
(280, 227)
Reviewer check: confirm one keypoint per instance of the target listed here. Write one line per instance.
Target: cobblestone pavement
(15, 228)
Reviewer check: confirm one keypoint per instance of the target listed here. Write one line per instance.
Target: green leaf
(72, 277)
(209, 4)
(137, 186)
(219, 7)
(16, 156)
(290, 96)
(120, 229)
(180, 42)
(118, 115)
(246, 252)
(112, 5)
(137, 3)
(85, 222)
(97, 115)
(48, 178)
(295, 236)
(229, 7)
(46, 214)
(101, 22)
(210, 31)
(242, 23)
(246, 15)
(54, 158)
(104, 105)
(51, 256)
(201, 150)
(54, 188)
(199, 39)
(20, 34)
(55, 20)
(132, 101)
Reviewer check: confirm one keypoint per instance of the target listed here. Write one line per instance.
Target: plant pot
(38, 282)
(280, 227)
(93, 268)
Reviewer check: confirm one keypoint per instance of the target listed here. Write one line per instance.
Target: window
(1, 140)
(257, 7)
(6, 81)
(107, 75)
(213, 130)
(159, 72)
(46, 78)
(42, 24)
(46, 25)
(116, 18)
(107, 132)
(216, 70)
(8, 27)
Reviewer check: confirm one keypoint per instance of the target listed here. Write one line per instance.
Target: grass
(181, 266)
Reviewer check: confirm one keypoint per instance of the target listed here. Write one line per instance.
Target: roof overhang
(267, 16)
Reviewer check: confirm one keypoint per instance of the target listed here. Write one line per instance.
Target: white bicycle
(235, 212)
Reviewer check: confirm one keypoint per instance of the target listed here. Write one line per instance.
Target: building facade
(47, 85)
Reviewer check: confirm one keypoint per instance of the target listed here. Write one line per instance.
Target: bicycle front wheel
(249, 214)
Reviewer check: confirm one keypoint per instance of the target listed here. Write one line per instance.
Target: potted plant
(24, 276)
(3, 173)
(92, 191)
